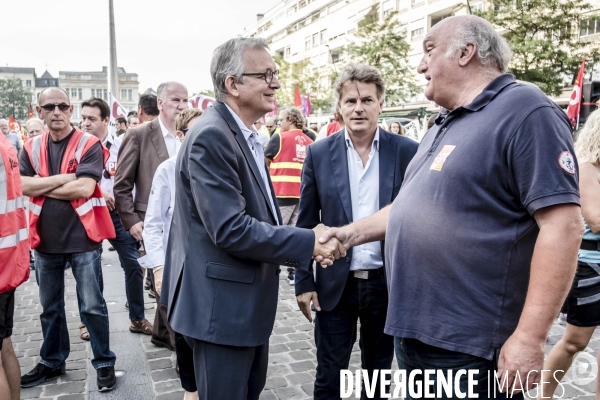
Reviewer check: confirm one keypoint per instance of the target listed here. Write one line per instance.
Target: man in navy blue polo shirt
(483, 236)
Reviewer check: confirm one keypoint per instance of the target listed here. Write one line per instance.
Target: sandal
(83, 332)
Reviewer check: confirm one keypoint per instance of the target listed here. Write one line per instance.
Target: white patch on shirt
(567, 162)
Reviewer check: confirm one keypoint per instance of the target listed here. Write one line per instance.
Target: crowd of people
(453, 253)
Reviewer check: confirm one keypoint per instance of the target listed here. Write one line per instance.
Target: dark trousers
(229, 372)
(413, 354)
(128, 250)
(335, 334)
(161, 329)
(185, 361)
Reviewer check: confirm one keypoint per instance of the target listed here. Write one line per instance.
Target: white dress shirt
(259, 156)
(171, 141)
(364, 191)
(112, 144)
(159, 214)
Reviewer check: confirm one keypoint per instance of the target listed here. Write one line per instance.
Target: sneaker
(291, 279)
(40, 374)
(142, 326)
(106, 379)
(562, 319)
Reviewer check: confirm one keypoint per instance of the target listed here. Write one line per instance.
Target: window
(388, 6)
(589, 26)
(315, 39)
(129, 95)
(323, 35)
(80, 92)
(28, 83)
(105, 97)
(307, 43)
(287, 52)
(73, 93)
(335, 57)
(302, 4)
(435, 20)
(478, 7)
(417, 33)
(76, 113)
(93, 92)
(123, 94)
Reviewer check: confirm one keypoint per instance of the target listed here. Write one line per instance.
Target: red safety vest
(92, 212)
(286, 168)
(14, 249)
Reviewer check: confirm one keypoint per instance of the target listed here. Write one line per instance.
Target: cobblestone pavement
(147, 372)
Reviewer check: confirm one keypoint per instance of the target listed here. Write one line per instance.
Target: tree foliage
(544, 38)
(14, 98)
(382, 44)
(310, 81)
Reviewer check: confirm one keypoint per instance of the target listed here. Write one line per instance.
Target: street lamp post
(113, 73)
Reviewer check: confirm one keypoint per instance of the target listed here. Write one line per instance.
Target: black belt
(593, 245)
(368, 273)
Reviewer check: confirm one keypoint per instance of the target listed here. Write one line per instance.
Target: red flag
(30, 112)
(13, 125)
(297, 98)
(575, 102)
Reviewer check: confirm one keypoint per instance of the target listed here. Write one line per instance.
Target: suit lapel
(239, 137)
(339, 165)
(387, 167)
(158, 140)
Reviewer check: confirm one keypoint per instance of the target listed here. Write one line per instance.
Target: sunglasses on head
(51, 107)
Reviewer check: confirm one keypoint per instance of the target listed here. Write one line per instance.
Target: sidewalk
(147, 372)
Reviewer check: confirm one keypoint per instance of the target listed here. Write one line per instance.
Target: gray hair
(227, 61)
(492, 49)
(161, 92)
(359, 73)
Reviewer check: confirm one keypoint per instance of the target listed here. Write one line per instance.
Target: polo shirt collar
(374, 145)
(483, 98)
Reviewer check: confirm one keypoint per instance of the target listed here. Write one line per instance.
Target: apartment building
(83, 85)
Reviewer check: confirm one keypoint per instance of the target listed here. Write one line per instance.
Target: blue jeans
(413, 354)
(50, 275)
(128, 250)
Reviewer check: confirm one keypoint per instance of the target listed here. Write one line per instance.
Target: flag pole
(113, 73)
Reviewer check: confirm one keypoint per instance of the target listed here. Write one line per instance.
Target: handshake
(330, 244)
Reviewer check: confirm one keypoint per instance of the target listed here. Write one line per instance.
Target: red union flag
(201, 102)
(575, 102)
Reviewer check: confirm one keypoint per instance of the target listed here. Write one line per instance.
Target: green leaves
(14, 98)
(544, 38)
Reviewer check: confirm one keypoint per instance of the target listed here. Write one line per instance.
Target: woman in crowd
(583, 302)
(396, 127)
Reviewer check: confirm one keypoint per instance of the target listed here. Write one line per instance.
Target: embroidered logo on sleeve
(440, 159)
(567, 162)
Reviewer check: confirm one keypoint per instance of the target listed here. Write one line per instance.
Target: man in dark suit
(143, 149)
(226, 242)
(346, 177)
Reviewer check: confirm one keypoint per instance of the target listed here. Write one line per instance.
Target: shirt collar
(108, 139)
(163, 128)
(245, 130)
(488, 93)
(374, 145)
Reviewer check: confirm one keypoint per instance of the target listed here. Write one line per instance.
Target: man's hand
(329, 251)
(344, 236)
(158, 277)
(521, 353)
(304, 300)
(110, 201)
(136, 230)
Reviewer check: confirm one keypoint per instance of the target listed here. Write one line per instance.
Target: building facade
(83, 85)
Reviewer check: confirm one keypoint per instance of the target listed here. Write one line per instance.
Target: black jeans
(128, 250)
(335, 334)
(413, 354)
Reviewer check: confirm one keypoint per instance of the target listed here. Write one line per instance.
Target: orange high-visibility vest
(92, 212)
(14, 249)
(286, 168)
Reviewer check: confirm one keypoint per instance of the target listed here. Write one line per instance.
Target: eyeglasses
(184, 130)
(268, 75)
(51, 107)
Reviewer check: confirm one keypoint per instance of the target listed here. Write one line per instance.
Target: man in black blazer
(226, 242)
(346, 177)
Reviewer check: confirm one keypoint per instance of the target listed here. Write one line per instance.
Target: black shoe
(111, 248)
(160, 343)
(147, 285)
(106, 379)
(32, 266)
(151, 293)
(127, 305)
(40, 374)
(291, 279)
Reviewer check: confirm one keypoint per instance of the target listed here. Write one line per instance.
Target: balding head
(493, 52)
(172, 98)
(163, 89)
(4, 126)
(50, 90)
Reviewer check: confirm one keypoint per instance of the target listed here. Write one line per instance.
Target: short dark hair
(121, 120)
(97, 102)
(148, 104)
(130, 113)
